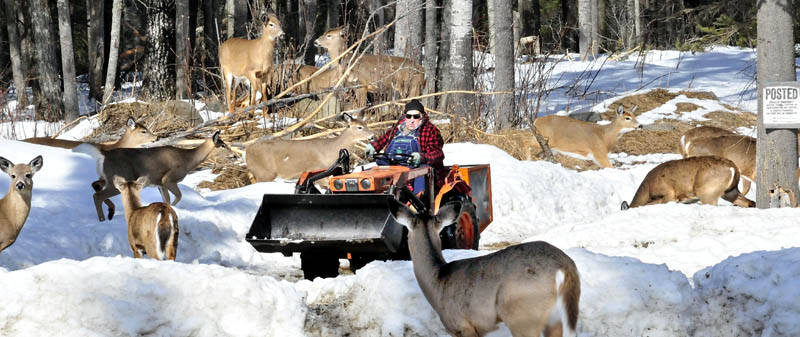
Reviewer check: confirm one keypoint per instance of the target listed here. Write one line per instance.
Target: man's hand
(416, 159)
(370, 151)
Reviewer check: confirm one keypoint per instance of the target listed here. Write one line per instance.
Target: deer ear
(447, 215)
(118, 181)
(620, 110)
(142, 180)
(131, 123)
(401, 213)
(635, 107)
(215, 137)
(36, 164)
(5, 164)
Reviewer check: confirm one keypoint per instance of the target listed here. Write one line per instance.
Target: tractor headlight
(366, 184)
(337, 184)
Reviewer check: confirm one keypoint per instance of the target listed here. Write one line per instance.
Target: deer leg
(98, 185)
(228, 87)
(745, 185)
(254, 87)
(173, 187)
(602, 160)
(164, 193)
(101, 196)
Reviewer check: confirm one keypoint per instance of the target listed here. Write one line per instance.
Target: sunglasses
(414, 116)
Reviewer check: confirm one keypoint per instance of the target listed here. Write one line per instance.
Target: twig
(68, 125)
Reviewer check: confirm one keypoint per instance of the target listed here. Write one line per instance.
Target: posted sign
(780, 102)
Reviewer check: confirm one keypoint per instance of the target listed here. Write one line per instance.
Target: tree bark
(637, 22)
(51, 105)
(431, 51)
(240, 10)
(309, 15)
(374, 7)
(444, 54)
(490, 9)
(407, 35)
(595, 43)
(460, 74)
(15, 53)
(504, 64)
(585, 28)
(334, 13)
(71, 110)
(96, 12)
(159, 78)
(776, 149)
(113, 53)
(210, 33)
(182, 49)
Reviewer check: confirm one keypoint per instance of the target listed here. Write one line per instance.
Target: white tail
(585, 140)
(135, 135)
(741, 150)
(16, 204)
(152, 229)
(706, 178)
(700, 132)
(289, 158)
(250, 60)
(163, 166)
(534, 288)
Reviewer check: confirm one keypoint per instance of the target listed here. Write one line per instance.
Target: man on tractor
(414, 141)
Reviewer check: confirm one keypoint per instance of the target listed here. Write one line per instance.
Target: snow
(664, 270)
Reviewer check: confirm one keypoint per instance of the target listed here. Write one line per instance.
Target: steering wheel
(393, 158)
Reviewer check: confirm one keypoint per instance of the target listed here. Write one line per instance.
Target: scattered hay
(685, 107)
(230, 176)
(161, 119)
(730, 120)
(707, 95)
(663, 136)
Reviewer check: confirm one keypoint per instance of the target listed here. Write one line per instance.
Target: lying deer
(534, 288)
(290, 158)
(741, 150)
(250, 60)
(135, 135)
(585, 140)
(163, 166)
(16, 204)
(379, 73)
(152, 229)
(701, 132)
(706, 178)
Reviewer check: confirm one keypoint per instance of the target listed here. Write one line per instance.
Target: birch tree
(71, 111)
(407, 35)
(585, 16)
(459, 76)
(113, 52)
(46, 61)
(504, 63)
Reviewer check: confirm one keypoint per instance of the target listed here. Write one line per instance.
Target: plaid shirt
(430, 143)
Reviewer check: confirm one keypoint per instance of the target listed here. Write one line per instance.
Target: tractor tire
(463, 233)
(360, 260)
(319, 265)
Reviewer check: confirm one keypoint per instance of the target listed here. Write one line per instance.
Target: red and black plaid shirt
(430, 144)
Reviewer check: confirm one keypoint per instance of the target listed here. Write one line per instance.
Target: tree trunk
(504, 64)
(637, 22)
(630, 28)
(95, 11)
(159, 78)
(210, 33)
(444, 53)
(595, 28)
(374, 7)
(407, 35)
(309, 14)
(334, 13)
(460, 74)
(71, 110)
(431, 29)
(529, 17)
(776, 149)
(113, 53)
(585, 28)
(182, 49)
(15, 53)
(490, 13)
(50, 105)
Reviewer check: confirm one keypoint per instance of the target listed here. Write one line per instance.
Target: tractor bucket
(338, 223)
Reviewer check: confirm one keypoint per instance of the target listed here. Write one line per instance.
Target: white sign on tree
(781, 105)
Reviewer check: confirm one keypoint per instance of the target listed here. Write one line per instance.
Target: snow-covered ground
(665, 270)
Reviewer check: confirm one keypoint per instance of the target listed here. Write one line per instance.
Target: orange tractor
(350, 219)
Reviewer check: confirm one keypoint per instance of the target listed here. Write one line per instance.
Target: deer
(251, 60)
(700, 132)
(707, 178)
(290, 158)
(534, 287)
(15, 206)
(152, 229)
(585, 140)
(163, 166)
(741, 150)
(378, 73)
(134, 136)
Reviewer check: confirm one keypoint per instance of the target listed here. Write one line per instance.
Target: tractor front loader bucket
(331, 223)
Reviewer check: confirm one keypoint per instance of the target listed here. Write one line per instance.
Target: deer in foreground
(290, 158)
(379, 73)
(585, 140)
(700, 132)
(163, 166)
(706, 178)
(16, 204)
(250, 60)
(152, 229)
(135, 135)
(534, 288)
(741, 150)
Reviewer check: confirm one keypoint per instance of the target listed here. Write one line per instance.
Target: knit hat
(414, 105)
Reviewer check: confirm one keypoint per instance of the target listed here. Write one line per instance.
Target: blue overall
(405, 144)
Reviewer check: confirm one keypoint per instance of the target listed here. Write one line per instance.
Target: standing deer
(163, 166)
(534, 288)
(16, 204)
(379, 73)
(289, 158)
(707, 178)
(152, 229)
(700, 132)
(250, 60)
(135, 135)
(585, 140)
(741, 150)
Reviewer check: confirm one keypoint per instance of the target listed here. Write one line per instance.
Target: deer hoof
(110, 214)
